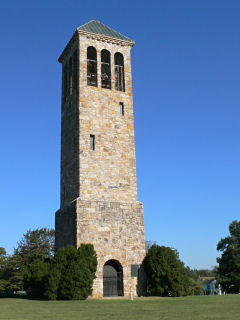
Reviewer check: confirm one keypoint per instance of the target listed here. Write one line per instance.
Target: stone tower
(98, 167)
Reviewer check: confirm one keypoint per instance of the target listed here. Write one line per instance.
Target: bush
(79, 273)
(54, 277)
(69, 275)
(166, 275)
(35, 278)
(195, 287)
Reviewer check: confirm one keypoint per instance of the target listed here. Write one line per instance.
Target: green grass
(187, 308)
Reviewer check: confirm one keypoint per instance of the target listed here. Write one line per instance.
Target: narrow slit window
(70, 76)
(105, 69)
(74, 145)
(92, 66)
(65, 83)
(92, 142)
(121, 109)
(75, 70)
(119, 72)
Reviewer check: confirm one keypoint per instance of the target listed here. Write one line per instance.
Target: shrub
(72, 273)
(35, 278)
(67, 276)
(166, 275)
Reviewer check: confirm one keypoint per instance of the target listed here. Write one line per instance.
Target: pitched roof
(97, 27)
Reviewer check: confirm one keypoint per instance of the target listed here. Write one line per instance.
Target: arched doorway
(112, 279)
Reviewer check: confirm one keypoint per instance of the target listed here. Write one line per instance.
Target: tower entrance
(112, 279)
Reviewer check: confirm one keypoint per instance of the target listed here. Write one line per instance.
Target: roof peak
(97, 27)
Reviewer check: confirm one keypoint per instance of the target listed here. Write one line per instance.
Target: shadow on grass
(18, 295)
(24, 295)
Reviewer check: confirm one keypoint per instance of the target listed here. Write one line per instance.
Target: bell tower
(98, 166)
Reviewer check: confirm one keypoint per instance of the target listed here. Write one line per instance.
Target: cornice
(92, 36)
(68, 46)
(102, 37)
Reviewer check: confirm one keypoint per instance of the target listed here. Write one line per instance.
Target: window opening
(74, 145)
(121, 109)
(119, 72)
(75, 70)
(106, 69)
(92, 142)
(65, 83)
(70, 76)
(92, 66)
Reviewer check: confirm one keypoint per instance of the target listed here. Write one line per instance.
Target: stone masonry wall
(70, 134)
(109, 172)
(117, 232)
(66, 226)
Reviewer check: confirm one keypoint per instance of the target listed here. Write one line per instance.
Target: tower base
(116, 231)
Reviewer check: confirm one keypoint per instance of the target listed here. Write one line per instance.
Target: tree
(77, 268)
(69, 275)
(35, 278)
(229, 263)
(35, 245)
(3, 259)
(193, 273)
(166, 275)
(148, 244)
(3, 273)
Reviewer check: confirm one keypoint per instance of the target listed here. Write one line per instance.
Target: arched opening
(112, 279)
(92, 66)
(105, 69)
(119, 72)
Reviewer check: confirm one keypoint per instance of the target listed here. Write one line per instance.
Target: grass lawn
(187, 308)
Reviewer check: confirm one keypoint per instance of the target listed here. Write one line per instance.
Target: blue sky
(186, 71)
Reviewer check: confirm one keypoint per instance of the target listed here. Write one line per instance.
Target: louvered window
(92, 66)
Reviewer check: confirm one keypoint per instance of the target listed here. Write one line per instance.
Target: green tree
(3, 272)
(36, 277)
(78, 268)
(53, 281)
(3, 254)
(229, 263)
(68, 276)
(14, 275)
(35, 245)
(166, 275)
(193, 273)
(149, 243)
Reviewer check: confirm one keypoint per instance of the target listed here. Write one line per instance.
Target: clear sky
(186, 87)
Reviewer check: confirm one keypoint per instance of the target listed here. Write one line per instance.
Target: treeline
(37, 270)
(196, 274)
(34, 268)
